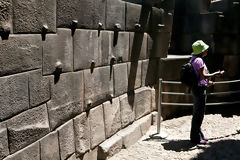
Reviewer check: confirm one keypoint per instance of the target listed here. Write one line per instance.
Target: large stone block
(197, 6)
(27, 127)
(114, 48)
(227, 44)
(144, 123)
(20, 53)
(137, 17)
(156, 20)
(169, 68)
(81, 133)
(115, 14)
(32, 152)
(138, 46)
(142, 102)
(112, 119)
(201, 23)
(228, 23)
(158, 44)
(97, 128)
(86, 49)
(5, 16)
(98, 86)
(49, 147)
(130, 135)
(73, 157)
(30, 16)
(66, 99)
(88, 13)
(110, 147)
(91, 155)
(167, 5)
(231, 65)
(66, 139)
(4, 151)
(154, 99)
(134, 75)
(120, 79)
(13, 95)
(149, 72)
(39, 88)
(58, 48)
(127, 109)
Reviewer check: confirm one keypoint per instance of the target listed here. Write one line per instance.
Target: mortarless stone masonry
(74, 74)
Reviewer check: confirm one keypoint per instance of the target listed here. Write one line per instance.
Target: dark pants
(200, 97)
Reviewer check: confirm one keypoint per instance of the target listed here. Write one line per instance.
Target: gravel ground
(223, 144)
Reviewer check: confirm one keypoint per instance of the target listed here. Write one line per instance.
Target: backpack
(188, 75)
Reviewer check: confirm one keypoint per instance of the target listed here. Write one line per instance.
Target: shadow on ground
(217, 148)
(221, 150)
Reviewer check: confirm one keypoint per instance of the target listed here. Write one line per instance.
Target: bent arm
(206, 75)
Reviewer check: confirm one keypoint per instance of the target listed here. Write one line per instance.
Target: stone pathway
(224, 143)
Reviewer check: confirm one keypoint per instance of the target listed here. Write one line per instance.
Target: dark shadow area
(222, 150)
(136, 49)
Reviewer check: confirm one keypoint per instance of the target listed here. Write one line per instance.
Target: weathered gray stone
(66, 139)
(58, 48)
(115, 14)
(158, 44)
(39, 88)
(98, 86)
(31, 152)
(155, 118)
(149, 70)
(134, 75)
(73, 157)
(150, 2)
(154, 99)
(81, 133)
(20, 53)
(156, 20)
(5, 15)
(68, 10)
(110, 147)
(85, 49)
(167, 5)
(97, 127)
(201, 23)
(137, 15)
(66, 99)
(127, 109)
(4, 151)
(112, 117)
(138, 46)
(27, 127)
(232, 63)
(167, 20)
(130, 135)
(142, 102)
(114, 48)
(49, 147)
(144, 123)
(168, 67)
(13, 95)
(91, 155)
(30, 16)
(120, 79)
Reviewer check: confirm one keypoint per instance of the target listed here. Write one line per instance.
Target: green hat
(198, 47)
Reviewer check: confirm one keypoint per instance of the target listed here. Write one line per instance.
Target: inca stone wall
(76, 75)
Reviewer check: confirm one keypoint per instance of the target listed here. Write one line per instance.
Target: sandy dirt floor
(223, 144)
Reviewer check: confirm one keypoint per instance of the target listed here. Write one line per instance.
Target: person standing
(200, 50)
